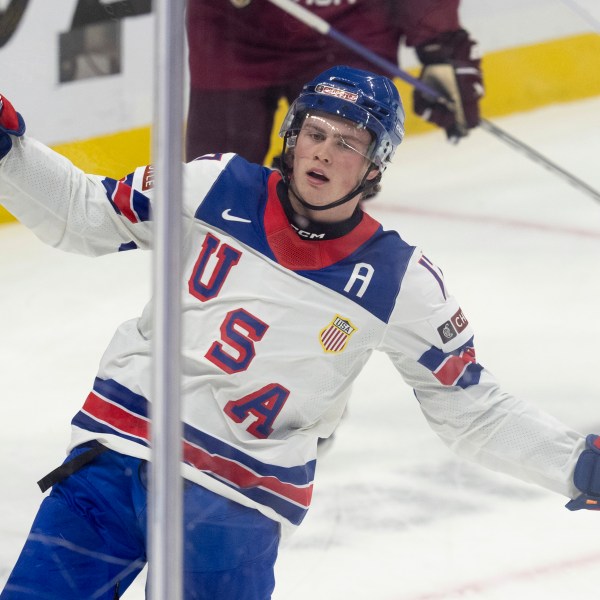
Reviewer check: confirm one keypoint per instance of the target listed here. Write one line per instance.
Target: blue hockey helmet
(372, 101)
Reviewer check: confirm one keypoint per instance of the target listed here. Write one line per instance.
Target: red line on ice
(440, 214)
(506, 579)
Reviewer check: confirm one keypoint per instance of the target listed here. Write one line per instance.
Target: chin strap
(364, 186)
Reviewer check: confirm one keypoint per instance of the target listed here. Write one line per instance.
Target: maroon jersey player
(246, 55)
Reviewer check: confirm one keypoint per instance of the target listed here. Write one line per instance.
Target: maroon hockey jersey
(259, 45)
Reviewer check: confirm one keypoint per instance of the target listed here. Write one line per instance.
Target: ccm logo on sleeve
(450, 329)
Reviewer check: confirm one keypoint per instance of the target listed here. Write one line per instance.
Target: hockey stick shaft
(535, 156)
(584, 14)
(324, 28)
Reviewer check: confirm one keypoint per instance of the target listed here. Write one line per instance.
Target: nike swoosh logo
(226, 214)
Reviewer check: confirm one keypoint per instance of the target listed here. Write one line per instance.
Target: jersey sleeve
(431, 344)
(69, 209)
(87, 214)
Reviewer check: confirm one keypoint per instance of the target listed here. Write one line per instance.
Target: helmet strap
(364, 186)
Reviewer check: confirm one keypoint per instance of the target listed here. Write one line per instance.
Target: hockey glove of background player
(587, 476)
(11, 123)
(452, 67)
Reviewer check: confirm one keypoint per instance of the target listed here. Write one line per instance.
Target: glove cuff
(587, 469)
(11, 123)
(10, 120)
(587, 476)
(448, 47)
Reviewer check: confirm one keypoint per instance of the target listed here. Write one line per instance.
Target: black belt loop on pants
(94, 449)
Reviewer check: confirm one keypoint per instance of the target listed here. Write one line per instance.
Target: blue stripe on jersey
(137, 404)
(345, 276)
(140, 203)
(241, 189)
(286, 490)
(299, 475)
(425, 262)
(127, 246)
(141, 206)
(238, 187)
(129, 179)
(292, 512)
(110, 185)
(471, 376)
(446, 366)
(118, 393)
(84, 421)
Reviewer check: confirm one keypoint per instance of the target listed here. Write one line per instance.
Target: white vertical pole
(165, 494)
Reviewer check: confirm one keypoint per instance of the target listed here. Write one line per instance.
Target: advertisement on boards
(78, 68)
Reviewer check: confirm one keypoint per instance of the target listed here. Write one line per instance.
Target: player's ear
(373, 173)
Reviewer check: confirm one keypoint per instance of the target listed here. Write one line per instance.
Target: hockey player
(244, 55)
(288, 288)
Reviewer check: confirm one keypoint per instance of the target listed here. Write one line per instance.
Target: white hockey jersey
(275, 329)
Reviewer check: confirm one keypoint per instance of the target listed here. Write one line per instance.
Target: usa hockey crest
(335, 336)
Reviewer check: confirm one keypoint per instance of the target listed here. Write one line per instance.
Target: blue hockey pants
(88, 540)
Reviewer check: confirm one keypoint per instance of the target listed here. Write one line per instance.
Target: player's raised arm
(62, 205)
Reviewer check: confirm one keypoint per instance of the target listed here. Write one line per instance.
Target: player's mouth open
(320, 177)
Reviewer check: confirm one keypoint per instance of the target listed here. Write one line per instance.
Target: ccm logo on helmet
(329, 90)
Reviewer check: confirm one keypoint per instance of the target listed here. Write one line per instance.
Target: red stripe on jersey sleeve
(122, 200)
(451, 370)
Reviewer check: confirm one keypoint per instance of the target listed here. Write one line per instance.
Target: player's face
(330, 161)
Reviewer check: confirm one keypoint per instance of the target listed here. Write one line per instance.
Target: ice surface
(395, 516)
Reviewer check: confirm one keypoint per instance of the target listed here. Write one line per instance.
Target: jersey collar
(316, 246)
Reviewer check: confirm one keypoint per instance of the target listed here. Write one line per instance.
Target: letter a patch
(335, 336)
